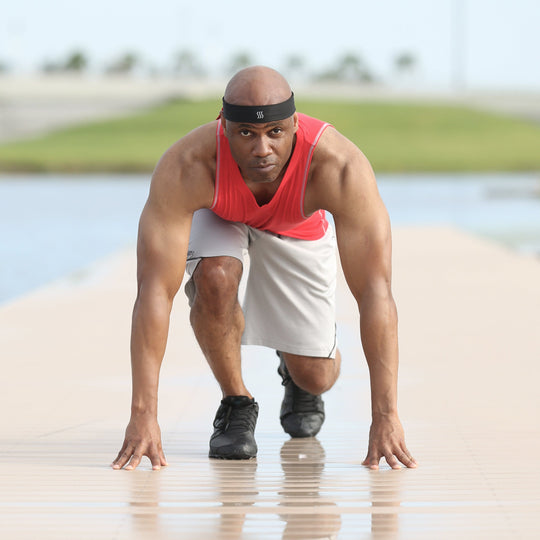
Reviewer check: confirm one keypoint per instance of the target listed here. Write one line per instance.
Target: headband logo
(260, 115)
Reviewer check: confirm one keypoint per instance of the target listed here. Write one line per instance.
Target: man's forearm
(150, 326)
(378, 329)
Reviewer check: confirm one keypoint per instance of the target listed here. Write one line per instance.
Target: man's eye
(244, 132)
(277, 131)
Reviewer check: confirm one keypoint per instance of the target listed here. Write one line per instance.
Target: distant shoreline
(32, 105)
(398, 135)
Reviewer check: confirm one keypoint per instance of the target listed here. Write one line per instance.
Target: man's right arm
(161, 256)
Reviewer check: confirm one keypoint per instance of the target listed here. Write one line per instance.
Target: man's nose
(262, 147)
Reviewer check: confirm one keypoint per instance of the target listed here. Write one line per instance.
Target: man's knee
(217, 279)
(315, 375)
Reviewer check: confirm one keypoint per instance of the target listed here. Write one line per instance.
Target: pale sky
(491, 43)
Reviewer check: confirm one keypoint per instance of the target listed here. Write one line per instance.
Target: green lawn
(396, 137)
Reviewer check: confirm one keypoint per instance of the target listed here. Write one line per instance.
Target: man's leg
(314, 375)
(305, 378)
(218, 323)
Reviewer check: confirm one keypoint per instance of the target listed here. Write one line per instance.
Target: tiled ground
(472, 422)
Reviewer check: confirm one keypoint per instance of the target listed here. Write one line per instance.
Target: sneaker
(302, 413)
(234, 427)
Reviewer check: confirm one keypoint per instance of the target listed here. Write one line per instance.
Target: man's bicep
(179, 187)
(364, 243)
(162, 246)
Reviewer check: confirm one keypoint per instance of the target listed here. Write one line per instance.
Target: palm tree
(405, 62)
(240, 61)
(349, 67)
(187, 64)
(76, 61)
(294, 66)
(123, 65)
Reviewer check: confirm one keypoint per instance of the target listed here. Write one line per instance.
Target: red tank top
(284, 213)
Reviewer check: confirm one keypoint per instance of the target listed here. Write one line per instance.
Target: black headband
(259, 114)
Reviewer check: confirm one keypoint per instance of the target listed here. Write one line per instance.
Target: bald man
(256, 183)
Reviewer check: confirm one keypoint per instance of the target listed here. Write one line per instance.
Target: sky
(473, 44)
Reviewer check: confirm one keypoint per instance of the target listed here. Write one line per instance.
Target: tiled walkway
(470, 312)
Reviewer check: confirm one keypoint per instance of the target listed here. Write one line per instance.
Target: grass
(396, 137)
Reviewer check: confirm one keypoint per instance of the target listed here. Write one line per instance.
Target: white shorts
(289, 296)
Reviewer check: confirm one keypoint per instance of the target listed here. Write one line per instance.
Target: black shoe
(234, 428)
(302, 413)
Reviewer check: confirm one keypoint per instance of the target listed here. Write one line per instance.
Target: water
(51, 226)
(504, 207)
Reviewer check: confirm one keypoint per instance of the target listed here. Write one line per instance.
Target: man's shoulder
(188, 167)
(197, 145)
(334, 149)
(336, 163)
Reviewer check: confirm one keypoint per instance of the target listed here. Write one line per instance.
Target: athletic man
(258, 181)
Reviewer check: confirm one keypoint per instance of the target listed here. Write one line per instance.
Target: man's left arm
(364, 243)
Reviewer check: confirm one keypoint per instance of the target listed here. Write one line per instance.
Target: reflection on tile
(302, 462)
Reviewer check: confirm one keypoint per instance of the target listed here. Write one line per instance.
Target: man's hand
(386, 439)
(143, 438)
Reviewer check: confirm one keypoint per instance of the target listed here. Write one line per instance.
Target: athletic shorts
(288, 295)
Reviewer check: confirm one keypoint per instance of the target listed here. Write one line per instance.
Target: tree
(240, 61)
(50, 67)
(404, 62)
(76, 61)
(350, 67)
(294, 66)
(187, 64)
(124, 64)
(404, 69)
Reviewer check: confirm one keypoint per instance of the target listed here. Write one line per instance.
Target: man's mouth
(264, 167)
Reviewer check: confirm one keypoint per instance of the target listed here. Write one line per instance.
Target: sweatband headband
(258, 114)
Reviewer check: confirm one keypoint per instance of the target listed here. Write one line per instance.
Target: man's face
(262, 150)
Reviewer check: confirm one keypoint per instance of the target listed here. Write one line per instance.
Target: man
(258, 180)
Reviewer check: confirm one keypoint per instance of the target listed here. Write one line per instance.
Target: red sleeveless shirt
(284, 213)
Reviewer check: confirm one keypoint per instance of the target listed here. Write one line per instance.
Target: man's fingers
(405, 457)
(143, 438)
(134, 462)
(162, 458)
(372, 462)
(392, 458)
(392, 461)
(122, 450)
(157, 459)
(124, 446)
(131, 458)
(122, 459)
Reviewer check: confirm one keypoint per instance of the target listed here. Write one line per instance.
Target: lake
(54, 225)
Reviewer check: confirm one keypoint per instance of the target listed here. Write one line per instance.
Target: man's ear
(295, 122)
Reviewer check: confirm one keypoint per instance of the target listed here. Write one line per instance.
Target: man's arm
(364, 243)
(161, 255)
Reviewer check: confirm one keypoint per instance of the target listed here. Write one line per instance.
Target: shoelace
(304, 402)
(285, 378)
(232, 419)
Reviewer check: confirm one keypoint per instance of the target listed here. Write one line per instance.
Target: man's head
(260, 148)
